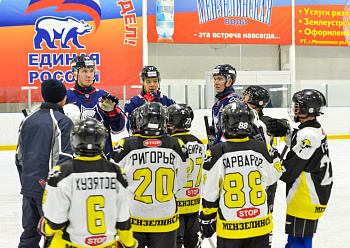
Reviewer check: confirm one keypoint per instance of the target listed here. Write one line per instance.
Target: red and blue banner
(222, 21)
(322, 22)
(39, 39)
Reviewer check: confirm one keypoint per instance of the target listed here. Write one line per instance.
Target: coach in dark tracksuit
(43, 142)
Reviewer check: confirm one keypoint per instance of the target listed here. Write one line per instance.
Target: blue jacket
(140, 99)
(43, 142)
(227, 96)
(87, 100)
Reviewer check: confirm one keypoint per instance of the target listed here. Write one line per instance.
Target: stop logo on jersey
(152, 142)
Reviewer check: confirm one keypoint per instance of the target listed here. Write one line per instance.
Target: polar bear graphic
(50, 28)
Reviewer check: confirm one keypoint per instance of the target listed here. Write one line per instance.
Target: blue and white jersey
(140, 99)
(87, 100)
(228, 96)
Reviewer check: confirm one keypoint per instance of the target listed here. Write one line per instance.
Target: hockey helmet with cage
(237, 118)
(257, 96)
(180, 116)
(149, 72)
(88, 137)
(152, 119)
(81, 61)
(308, 102)
(225, 70)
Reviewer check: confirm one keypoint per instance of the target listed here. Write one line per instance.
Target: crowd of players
(162, 187)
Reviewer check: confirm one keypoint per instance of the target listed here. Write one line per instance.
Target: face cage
(295, 109)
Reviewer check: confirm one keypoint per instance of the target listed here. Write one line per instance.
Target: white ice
(333, 228)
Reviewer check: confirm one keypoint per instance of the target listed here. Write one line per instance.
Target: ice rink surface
(333, 229)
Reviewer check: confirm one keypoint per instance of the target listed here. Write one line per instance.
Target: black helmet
(82, 62)
(149, 72)
(258, 96)
(152, 119)
(307, 102)
(225, 70)
(237, 118)
(132, 120)
(180, 115)
(88, 137)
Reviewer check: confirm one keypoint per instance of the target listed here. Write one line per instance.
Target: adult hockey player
(150, 80)
(156, 167)
(236, 173)
(258, 97)
(189, 197)
(85, 201)
(308, 169)
(43, 141)
(224, 77)
(94, 102)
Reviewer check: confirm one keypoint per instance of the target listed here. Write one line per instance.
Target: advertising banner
(220, 21)
(39, 39)
(322, 22)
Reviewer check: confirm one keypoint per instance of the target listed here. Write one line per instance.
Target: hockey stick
(284, 151)
(211, 243)
(207, 129)
(24, 111)
(201, 239)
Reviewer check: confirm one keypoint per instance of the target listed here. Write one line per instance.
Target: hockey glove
(44, 228)
(278, 127)
(258, 133)
(274, 152)
(207, 224)
(109, 105)
(121, 245)
(152, 96)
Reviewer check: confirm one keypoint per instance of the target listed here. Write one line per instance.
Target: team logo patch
(119, 147)
(182, 145)
(207, 157)
(95, 240)
(305, 144)
(248, 213)
(152, 142)
(55, 172)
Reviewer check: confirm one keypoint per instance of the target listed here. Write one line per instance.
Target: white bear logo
(50, 28)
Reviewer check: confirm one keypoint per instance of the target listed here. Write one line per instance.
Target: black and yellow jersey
(189, 197)
(236, 174)
(308, 172)
(85, 202)
(156, 168)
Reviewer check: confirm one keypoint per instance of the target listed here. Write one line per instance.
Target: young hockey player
(188, 198)
(236, 173)
(258, 97)
(85, 200)
(156, 167)
(308, 169)
(94, 102)
(150, 79)
(224, 77)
